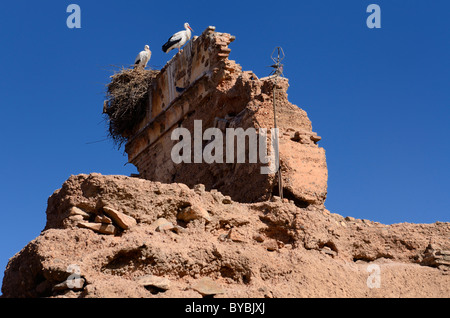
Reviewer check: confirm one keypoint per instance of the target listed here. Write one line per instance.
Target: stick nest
(126, 101)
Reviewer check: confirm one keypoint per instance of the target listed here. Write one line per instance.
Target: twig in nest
(126, 101)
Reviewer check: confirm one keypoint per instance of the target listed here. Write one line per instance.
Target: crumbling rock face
(170, 240)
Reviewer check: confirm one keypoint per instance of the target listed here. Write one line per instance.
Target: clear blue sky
(379, 97)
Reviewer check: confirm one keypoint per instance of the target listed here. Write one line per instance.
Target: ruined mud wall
(201, 83)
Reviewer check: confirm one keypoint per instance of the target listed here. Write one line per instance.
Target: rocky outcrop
(222, 249)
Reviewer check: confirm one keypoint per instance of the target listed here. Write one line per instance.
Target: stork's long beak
(190, 28)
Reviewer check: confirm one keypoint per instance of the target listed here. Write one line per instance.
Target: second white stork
(143, 57)
(179, 39)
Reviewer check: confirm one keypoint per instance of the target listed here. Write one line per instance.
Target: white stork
(178, 39)
(143, 57)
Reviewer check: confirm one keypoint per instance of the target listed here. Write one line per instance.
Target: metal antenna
(277, 56)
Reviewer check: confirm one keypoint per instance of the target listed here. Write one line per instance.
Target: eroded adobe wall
(217, 92)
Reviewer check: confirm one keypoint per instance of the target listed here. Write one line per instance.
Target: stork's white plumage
(177, 40)
(143, 57)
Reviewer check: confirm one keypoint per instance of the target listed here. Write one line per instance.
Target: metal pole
(278, 69)
(280, 178)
